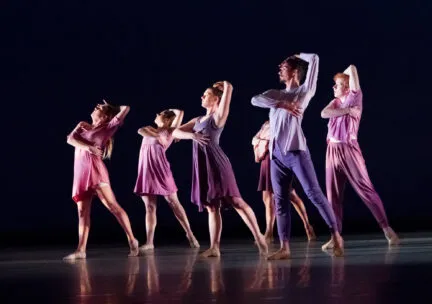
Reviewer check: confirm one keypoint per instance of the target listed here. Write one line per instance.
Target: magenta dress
(89, 169)
(213, 179)
(154, 172)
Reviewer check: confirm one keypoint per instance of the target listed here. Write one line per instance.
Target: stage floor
(369, 273)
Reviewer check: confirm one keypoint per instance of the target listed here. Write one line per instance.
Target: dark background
(59, 58)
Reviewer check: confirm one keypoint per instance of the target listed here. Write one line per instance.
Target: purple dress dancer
(212, 175)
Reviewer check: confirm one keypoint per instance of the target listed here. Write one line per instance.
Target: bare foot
(211, 253)
(193, 242)
(134, 250)
(269, 239)
(77, 255)
(281, 254)
(338, 249)
(328, 245)
(392, 237)
(146, 247)
(310, 233)
(262, 247)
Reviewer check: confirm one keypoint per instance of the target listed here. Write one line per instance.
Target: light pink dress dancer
(344, 160)
(154, 172)
(92, 143)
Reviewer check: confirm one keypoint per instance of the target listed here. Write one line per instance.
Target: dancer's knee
(150, 208)
(212, 209)
(316, 196)
(172, 201)
(239, 203)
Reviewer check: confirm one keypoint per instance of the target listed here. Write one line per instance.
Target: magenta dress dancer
(154, 172)
(213, 178)
(90, 171)
(92, 143)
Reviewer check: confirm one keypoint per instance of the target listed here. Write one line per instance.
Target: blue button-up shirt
(285, 129)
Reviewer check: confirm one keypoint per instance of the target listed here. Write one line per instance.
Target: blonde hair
(108, 149)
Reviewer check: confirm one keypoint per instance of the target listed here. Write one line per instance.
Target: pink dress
(89, 169)
(154, 172)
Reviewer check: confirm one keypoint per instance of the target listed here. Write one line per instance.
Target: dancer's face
(208, 99)
(99, 112)
(340, 88)
(286, 72)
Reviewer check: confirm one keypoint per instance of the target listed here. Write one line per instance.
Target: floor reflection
(369, 272)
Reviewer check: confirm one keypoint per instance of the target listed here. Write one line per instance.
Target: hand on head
(219, 85)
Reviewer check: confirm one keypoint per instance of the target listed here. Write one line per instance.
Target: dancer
(289, 153)
(260, 143)
(213, 182)
(93, 143)
(344, 159)
(154, 172)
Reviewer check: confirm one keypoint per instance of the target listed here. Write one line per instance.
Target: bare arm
(75, 142)
(148, 131)
(354, 82)
(222, 111)
(178, 119)
(198, 137)
(188, 127)
(330, 111)
(124, 110)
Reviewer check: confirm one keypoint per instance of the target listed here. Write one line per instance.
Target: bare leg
(133, 274)
(107, 197)
(248, 216)
(151, 220)
(215, 230)
(267, 197)
(181, 216)
(301, 210)
(84, 208)
(153, 283)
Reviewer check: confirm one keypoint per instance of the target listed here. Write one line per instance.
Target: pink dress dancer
(90, 171)
(260, 144)
(344, 160)
(155, 176)
(154, 172)
(92, 143)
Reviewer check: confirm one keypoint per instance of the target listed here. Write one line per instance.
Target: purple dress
(213, 179)
(154, 172)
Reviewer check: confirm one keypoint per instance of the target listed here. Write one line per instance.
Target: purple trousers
(283, 168)
(345, 162)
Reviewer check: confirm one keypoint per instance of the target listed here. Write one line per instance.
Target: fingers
(296, 112)
(201, 139)
(96, 151)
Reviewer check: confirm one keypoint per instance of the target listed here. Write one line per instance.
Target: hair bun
(219, 85)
